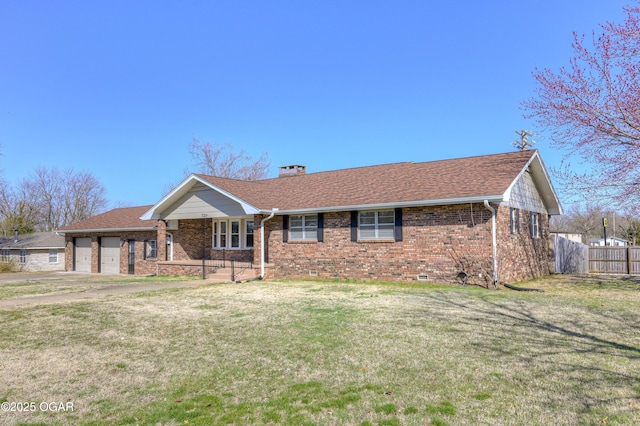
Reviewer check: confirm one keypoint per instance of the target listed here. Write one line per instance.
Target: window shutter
(354, 226)
(144, 253)
(285, 228)
(397, 229)
(518, 221)
(320, 229)
(512, 212)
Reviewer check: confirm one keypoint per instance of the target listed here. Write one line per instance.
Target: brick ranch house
(484, 219)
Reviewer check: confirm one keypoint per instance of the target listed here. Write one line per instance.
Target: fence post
(233, 271)
(629, 262)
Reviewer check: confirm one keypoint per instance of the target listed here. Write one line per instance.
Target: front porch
(218, 270)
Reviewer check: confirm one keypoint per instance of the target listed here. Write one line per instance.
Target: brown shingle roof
(120, 218)
(487, 175)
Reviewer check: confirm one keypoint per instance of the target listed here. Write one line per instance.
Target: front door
(132, 256)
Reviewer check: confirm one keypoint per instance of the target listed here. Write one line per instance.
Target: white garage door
(83, 255)
(110, 255)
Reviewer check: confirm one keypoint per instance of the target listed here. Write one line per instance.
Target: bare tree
(83, 197)
(224, 161)
(61, 198)
(588, 221)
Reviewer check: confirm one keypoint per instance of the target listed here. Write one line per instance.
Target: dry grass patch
(26, 285)
(325, 353)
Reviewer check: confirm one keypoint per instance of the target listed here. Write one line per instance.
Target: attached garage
(82, 255)
(112, 234)
(110, 255)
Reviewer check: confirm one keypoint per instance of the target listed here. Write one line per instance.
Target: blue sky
(120, 88)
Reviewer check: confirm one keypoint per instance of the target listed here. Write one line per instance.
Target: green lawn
(328, 353)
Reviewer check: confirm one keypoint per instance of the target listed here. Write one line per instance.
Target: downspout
(494, 245)
(273, 212)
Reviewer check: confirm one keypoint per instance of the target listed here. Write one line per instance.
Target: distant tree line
(588, 221)
(48, 199)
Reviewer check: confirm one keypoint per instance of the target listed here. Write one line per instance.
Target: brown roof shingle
(388, 183)
(120, 218)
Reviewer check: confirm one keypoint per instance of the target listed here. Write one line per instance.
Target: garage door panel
(110, 255)
(83, 255)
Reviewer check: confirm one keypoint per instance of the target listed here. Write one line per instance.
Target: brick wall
(438, 242)
(142, 266)
(192, 239)
(520, 256)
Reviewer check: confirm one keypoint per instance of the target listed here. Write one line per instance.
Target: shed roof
(36, 240)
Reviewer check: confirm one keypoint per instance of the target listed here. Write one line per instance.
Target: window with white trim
(535, 225)
(232, 234)
(23, 256)
(303, 227)
(5, 255)
(248, 234)
(152, 249)
(53, 256)
(235, 234)
(376, 225)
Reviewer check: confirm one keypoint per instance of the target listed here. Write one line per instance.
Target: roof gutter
(494, 245)
(80, 231)
(262, 257)
(417, 203)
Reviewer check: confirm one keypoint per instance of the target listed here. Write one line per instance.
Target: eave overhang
(183, 188)
(496, 198)
(543, 183)
(94, 230)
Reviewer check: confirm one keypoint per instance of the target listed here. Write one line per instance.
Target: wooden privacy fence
(570, 257)
(615, 260)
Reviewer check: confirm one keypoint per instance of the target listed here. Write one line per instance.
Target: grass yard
(325, 353)
(71, 283)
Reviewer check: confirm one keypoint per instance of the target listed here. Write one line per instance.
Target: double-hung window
(151, 249)
(376, 225)
(303, 227)
(23, 256)
(535, 224)
(53, 256)
(5, 255)
(235, 234)
(248, 235)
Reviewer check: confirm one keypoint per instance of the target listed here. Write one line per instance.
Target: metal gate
(132, 256)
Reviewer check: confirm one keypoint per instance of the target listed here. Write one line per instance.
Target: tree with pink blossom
(591, 110)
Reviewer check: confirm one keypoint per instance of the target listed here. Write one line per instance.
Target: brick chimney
(294, 170)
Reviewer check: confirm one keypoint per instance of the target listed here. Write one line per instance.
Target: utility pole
(523, 143)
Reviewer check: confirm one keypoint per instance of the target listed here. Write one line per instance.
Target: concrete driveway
(100, 290)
